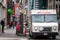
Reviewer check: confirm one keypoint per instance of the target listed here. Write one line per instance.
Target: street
(27, 38)
(12, 36)
(31, 16)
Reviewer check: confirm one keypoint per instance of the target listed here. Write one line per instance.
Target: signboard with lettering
(17, 13)
(43, 12)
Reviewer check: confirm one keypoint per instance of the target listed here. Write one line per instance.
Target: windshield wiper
(38, 21)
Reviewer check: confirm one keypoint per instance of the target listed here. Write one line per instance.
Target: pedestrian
(10, 24)
(13, 22)
(17, 28)
(3, 24)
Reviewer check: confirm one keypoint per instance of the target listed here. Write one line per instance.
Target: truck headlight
(41, 28)
(54, 28)
(35, 27)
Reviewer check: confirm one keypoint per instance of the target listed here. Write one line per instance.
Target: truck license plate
(45, 34)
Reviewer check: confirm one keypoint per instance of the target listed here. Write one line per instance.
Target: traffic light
(10, 11)
(10, 5)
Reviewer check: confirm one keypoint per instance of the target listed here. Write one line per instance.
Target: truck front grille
(47, 29)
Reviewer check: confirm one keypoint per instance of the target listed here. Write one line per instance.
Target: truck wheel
(34, 36)
(54, 37)
(30, 34)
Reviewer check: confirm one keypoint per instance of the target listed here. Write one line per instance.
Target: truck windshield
(44, 18)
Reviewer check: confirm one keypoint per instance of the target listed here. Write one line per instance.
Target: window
(44, 18)
(56, 6)
(43, 4)
(57, 0)
(59, 6)
(37, 18)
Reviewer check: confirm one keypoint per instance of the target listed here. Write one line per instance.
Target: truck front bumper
(45, 34)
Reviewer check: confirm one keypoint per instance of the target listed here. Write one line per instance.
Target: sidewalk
(9, 33)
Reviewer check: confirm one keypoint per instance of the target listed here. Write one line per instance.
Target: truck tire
(54, 37)
(30, 34)
(34, 36)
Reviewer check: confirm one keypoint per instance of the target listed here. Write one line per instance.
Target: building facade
(46, 4)
(3, 8)
(54, 4)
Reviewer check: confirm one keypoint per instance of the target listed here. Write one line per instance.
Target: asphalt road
(27, 38)
(44, 38)
(10, 35)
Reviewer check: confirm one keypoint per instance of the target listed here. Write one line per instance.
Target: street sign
(17, 13)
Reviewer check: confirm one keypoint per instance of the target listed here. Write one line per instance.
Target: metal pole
(28, 6)
(31, 2)
(48, 4)
(29, 15)
(34, 4)
(6, 14)
(58, 6)
(55, 4)
(24, 19)
(52, 3)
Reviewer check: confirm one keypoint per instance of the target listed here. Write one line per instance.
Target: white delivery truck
(43, 23)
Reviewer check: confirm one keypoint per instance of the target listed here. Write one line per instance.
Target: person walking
(3, 24)
(18, 28)
(10, 24)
